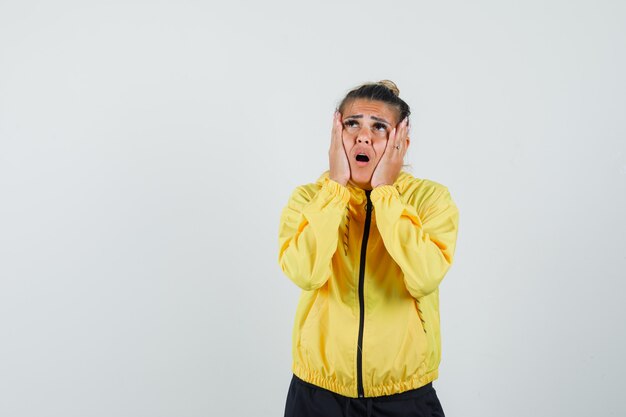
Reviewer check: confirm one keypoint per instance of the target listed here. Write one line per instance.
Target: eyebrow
(360, 116)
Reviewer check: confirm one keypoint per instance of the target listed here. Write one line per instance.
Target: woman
(368, 244)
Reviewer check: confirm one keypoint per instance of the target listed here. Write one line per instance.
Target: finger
(403, 128)
(333, 134)
(337, 130)
(390, 143)
(392, 136)
(405, 138)
(401, 136)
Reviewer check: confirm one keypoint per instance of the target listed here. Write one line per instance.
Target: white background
(147, 149)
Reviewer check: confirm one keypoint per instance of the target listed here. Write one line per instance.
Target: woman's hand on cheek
(390, 163)
(337, 157)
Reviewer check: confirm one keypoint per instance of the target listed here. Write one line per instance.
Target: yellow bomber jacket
(367, 322)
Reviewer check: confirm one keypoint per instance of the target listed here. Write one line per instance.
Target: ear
(408, 142)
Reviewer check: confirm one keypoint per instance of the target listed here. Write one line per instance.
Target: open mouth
(362, 158)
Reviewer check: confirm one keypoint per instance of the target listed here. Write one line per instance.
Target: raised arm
(422, 244)
(309, 233)
(309, 225)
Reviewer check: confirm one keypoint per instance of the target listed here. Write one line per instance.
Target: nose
(364, 136)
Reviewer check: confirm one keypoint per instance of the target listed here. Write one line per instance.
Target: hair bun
(391, 86)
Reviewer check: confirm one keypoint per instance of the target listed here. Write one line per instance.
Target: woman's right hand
(338, 159)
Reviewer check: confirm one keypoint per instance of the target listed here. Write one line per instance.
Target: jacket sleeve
(308, 233)
(421, 244)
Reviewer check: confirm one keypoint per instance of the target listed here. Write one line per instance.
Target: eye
(380, 127)
(350, 123)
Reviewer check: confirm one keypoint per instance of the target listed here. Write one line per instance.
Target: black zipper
(359, 352)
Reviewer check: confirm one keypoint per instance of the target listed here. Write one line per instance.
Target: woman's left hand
(390, 163)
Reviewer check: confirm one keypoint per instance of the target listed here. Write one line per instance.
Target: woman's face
(367, 125)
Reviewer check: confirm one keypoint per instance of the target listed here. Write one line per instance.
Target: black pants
(307, 400)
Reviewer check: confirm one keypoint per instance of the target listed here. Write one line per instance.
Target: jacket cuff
(387, 205)
(383, 191)
(336, 191)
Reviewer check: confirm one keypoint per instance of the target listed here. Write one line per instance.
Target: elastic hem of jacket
(377, 391)
(410, 394)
